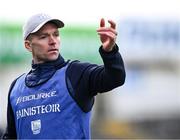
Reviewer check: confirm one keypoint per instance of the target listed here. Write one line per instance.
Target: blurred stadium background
(148, 105)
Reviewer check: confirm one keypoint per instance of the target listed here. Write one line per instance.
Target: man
(54, 100)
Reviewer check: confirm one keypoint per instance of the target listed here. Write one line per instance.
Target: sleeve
(10, 132)
(110, 75)
(89, 79)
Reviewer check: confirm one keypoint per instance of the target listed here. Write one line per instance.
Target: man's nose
(52, 40)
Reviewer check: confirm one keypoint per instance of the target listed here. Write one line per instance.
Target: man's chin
(53, 57)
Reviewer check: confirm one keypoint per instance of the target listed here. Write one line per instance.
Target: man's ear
(27, 45)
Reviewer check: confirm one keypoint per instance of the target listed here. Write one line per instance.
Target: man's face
(45, 44)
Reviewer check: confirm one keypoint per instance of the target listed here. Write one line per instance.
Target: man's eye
(56, 34)
(42, 37)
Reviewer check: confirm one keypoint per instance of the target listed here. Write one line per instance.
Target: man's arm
(10, 129)
(88, 79)
(10, 132)
(110, 75)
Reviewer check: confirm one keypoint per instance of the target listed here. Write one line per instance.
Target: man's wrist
(113, 50)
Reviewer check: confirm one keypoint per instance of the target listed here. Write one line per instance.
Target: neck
(58, 61)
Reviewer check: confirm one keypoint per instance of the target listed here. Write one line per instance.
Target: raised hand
(107, 35)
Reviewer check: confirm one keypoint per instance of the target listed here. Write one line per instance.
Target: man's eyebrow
(57, 31)
(45, 33)
(41, 33)
(38, 34)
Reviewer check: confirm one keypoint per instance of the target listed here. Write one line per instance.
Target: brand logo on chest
(36, 126)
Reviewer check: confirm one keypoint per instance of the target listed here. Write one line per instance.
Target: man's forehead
(46, 28)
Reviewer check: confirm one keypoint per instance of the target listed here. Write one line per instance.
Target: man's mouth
(53, 50)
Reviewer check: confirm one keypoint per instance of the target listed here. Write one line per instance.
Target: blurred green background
(147, 106)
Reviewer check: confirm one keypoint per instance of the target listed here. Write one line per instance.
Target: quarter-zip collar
(40, 73)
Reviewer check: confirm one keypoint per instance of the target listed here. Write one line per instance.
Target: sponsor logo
(35, 110)
(38, 96)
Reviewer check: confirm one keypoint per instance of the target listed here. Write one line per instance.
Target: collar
(40, 73)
